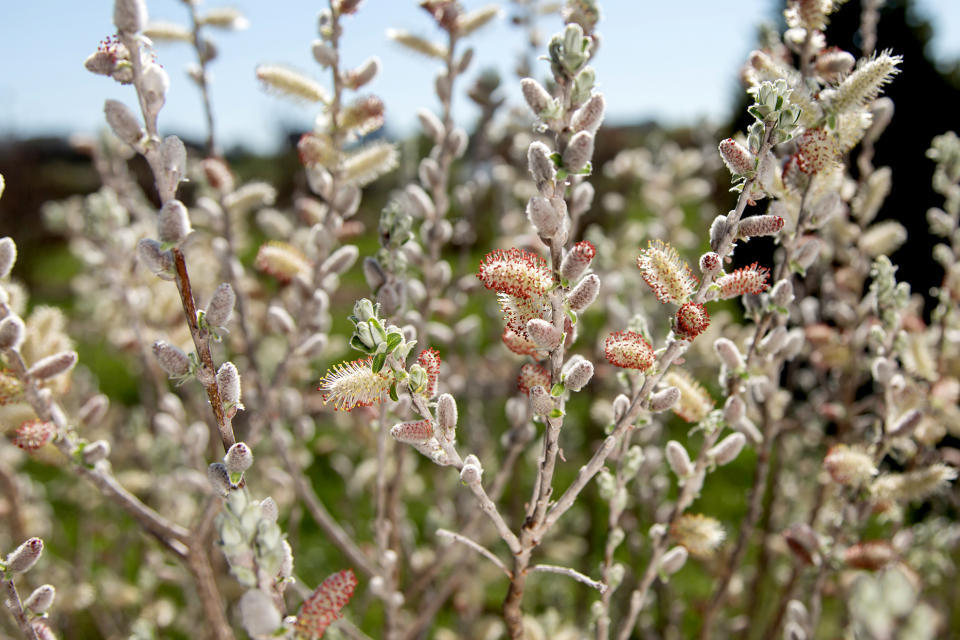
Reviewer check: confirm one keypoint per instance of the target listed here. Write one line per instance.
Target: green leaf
(357, 344)
(393, 341)
(558, 390)
(556, 413)
(393, 392)
(378, 362)
(573, 316)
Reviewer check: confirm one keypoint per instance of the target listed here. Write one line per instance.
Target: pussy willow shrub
(542, 415)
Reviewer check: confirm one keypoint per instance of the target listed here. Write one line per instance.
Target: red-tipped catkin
(692, 320)
(577, 260)
(629, 350)
(764, 225)
(53, 366)
(412, 432)
(752, 279)
(817, 150)
(543, 333)
(34, 434)
(429, 359)
(25, 556)
(532, 375)
(710, 263)
(516, 272)
(239, 458)
(737, 157)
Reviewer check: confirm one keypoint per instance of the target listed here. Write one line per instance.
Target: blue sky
(645, 66)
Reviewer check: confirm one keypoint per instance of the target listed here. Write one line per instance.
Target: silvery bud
(620, 406)
(906, 424)
(8, 253)
(269, 509)
(581, 198)
(25, 556)
(324, 54)
(259, 614)
(589, 116)
(544, 217)
(543, 333)
(364, 73)
(679, 460)
(673, 560)
(541, 402)
(11, 332)
(96, 451)
(728, 449)
(429, 173)
(665, 399)
(53, 366)
(471, 471)
(173, 224)
(577, 373)
(347, 200)
(130, 16)
(729, 354)
(783, 293)
(773, 341)
(93, 410)
(457, 142)
(584, 293)
(341, 259)
(578, 152)
(171, 359)
(124, 124)
(536, 96)
(541, 167)
(446, 412)
(883, 369)
(41, 599)
(808, 253)
(220, 307)
(431, 125)
(420, 201)
(710, 264)
(219, 479)
(373, 273)
(794, 345)
(228, 381)
(280, 320)
(745, 426)
(239, 458)
(155, 258)
(154, 83)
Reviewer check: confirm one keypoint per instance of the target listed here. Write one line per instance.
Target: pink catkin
(34, 434)
(325, 604)
(516, 272)
(692, 320)
(752, 279)
(429, 359)
(532, 375)
(629, 350)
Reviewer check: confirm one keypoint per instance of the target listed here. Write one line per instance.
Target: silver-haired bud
(783, 293)
(420, 201)
(373, 273)
(883, 369)
(906, 424)
(541, 167)
(323, 53)
(219, 479)
(471, 472)
(679, 460)
(673, 560)
(589, 116)
(582, 198)
(239, 458)
(259, 614)
(541, 402)
(794, 345)
(220, 307)
(620, 406)
(41, 599)
(536, 96)
(228, 381)
(431, 125)
(773, 341)
(728, 449)
(734, 410)
(584, 293)
(365, 73)
(173, 225)
(882, 112)
(341, 260)
(172, 360)
(543, 333)
(807, 255)
(544, 217)
(96, 451)
(429, 173)
(130, 16)
(93, 410)
(25, 556)
(446, 412)
(457, 142)
(577, 373)
(269, 509)
(718, 229)
(53, 366)
(280, 319)
(664, 399)
(8, 255)
(745, 426)
(578, 152)
(763, 225)
(11, 332)
(124, 124)
(154, 83)
(729, 354)
(155, 258)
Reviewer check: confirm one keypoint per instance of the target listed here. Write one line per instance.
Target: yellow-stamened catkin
(695, 403)
(291, 83)
(666, 273)
(353, 384)
(369, 163)
(913, 485)
(865, 83)
(417, 44)
(701, 535)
